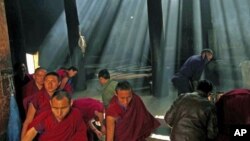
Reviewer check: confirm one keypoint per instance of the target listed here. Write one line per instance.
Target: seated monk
(127, 118)
(33, 87)
(40, 101)
(60, 123)
(92, 110)
(232, 109)
(67, 76)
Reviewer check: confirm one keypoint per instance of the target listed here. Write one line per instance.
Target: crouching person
(192, 116)
(127, 118)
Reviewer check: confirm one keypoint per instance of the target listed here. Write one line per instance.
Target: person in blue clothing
(185, 80)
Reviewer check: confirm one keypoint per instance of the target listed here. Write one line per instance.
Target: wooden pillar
(6, 76)
(76, 56)
(206, 22)
(72, 24)
(155, 33)
(185, 41)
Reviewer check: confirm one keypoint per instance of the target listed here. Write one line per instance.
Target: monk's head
(51, 82)
(124, 93)
(39, 76)
(72, 71)
(60, 104)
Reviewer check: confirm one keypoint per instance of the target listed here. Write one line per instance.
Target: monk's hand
(103, 129)
(99, 134)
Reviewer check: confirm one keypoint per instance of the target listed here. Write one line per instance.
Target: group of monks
(51, 114)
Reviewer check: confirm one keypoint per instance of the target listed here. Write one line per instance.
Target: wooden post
(156, 34)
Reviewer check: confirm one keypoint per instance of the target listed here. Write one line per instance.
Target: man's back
(192, 118)
(193, 67)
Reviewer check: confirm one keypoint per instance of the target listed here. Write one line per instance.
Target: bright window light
(32, 62)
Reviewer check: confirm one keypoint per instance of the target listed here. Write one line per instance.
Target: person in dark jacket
(192, 117)
(185, 80)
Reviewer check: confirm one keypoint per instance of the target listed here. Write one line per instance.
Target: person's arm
(29, 117)
(29, 135)
(170, 114)
(101, 119)
(94, 129)
(212, 128)
(110, 128)
(63, 82)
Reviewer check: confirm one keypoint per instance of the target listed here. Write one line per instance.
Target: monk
(34, 86)
(127, 117)
(67, 76)
(92, 110)
(41, 101)
(60, 123)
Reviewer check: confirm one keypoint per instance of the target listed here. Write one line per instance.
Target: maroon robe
(71, 128)
(29, 90)
(68, 86)
(134, 123)
(233, 109)
(41, 101)
(87, 107)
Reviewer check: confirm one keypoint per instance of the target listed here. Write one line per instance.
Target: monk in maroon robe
(127, 117)
(92, 110)
(33, 87)
(40, 102)
(232, 109)
(66, 76)
(60, 123)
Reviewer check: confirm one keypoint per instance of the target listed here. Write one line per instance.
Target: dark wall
(29, 21)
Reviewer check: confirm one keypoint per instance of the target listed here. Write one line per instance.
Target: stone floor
(156, 106)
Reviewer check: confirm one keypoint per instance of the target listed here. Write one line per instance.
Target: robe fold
(41, 101)
(87, 107)
(232, 109)
(71, 128)
(29, 90)
(68, 86)
(134, 123)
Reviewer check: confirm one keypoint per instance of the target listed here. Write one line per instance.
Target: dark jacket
(192, 118)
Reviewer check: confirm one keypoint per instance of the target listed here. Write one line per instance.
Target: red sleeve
(35, 101)
(114, 110)
(26, 102)
(62, 73)
(38, 123)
